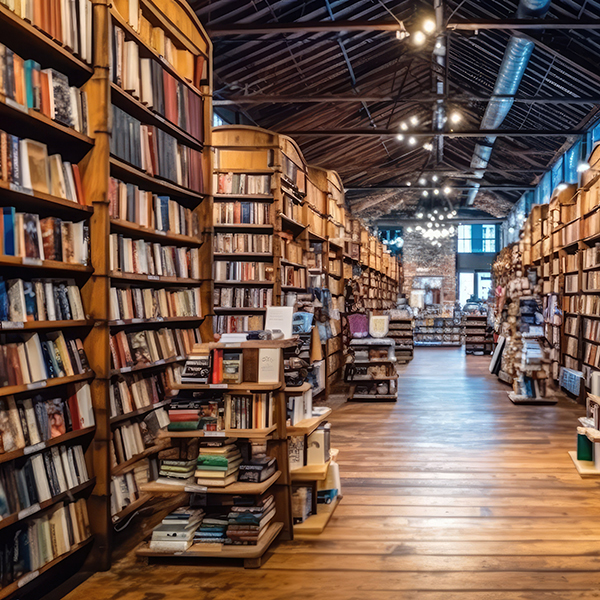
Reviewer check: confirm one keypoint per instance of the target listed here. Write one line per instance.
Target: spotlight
(441, 217)
(429, 26)
(400, 137)
(455, 117)
(412, 140)
(447, 190)
(582, 167)
(419, 38)
(425, 193)
(403, 126)
(414, 120)
(435, 212)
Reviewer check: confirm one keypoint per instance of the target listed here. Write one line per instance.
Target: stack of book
(258, 469)
(30, 358)
(39, 541)
(177, 530)
(129, 203)
(218, 463)
(212, 530)
(188, 414)
(147, 258)
(178, 471)
(70, 23)
(27, 236)
(247, 524)
(249, 411)
(151, 303)
(26, 165)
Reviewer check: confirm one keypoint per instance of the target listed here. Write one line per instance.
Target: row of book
(69, 23)
(249, 411)
(29, 358)
(176, 531)
(147, 81)
(293, 276)
(41, 477)
(225, 270)
(133, 437)
(571, 326)
(230, 243)
(238, 323)
(31, 421)
(27, 236)
(25, 164)
(135, 392)
(240, 297)
(40, 300)
(571, 284)
(39, 541)
(142, 348)
(43, 90)
(242, 183)
(139, 256)
(591, 257)
(589, 305)
(155, 151)
(151, 304)
(190, 67)
(591, 356)
(591, 281)
(591, 330)
(159, 213)
(234, 213)
(291, 250)
(125, 488)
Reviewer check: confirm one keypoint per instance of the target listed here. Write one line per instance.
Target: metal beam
(522, 24)
(420, 188)
(222, 29)
(428, 134)
(277, 99)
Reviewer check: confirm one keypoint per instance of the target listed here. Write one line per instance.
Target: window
(476, 238)
(217, 120)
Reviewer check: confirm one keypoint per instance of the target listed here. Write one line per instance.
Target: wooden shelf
(284, 343)
(130, 508)
(131, 174)
(220, 550)
(293, 288)
(246, 283)
(34, 325)
(128, 464)
(307, 426)
(137, 368)
(138, 412)
(243, 226)
(125, 101)
(251, 434)
(297, 390)
(237, 488)
(246, 255)
(289, 263)
(160, 279)
(244, 197)
(34, 387)
(61, 439)
(311, 472)
(9, 590)
(292, 225)
(316, 524)
(153, 234)
(51, 265)
(35, 509)
(585, 468)
(160, 322)
(241, 309)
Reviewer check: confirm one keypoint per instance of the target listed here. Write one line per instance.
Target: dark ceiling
(387, 73)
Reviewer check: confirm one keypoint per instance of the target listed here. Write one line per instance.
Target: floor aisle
(453, 492)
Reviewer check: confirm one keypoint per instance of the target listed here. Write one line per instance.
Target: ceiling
(390, 78)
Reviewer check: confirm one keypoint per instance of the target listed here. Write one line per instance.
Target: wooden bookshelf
(29, 388)
(131, 508)
(311, 472)
(127, 465)
(316, 523)
(251, 434)
(307, 426)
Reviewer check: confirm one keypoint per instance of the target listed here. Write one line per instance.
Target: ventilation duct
(516, 57)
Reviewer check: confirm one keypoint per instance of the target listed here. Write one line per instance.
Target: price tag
(37, 262)
(12, 325)
(36, 385)
(218, 386)
(125, 369)
(26, 512)
(153, 278)
(158, 232)
(35, 448)
(27, 578)
(214, 434)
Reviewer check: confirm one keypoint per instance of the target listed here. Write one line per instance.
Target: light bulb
(429, 225)
(419, 38)
(511, 230)
(429, 25)
(455, 117)
(408, 184)
(436, 192)
(409, 229)
(422, 181)
(414, 120)
(425, 193)
(447, 190)
(434, 178)
(419, 215)
(435, 212)
(400, 137)
(403, 126)
(441, 217)
(428, 147)
(412, 140)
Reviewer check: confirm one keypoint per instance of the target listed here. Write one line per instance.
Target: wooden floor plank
(451, 493)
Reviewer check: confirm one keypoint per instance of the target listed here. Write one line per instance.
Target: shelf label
(159, 232)
(153, 278)
(37, 262)
(26, 512)
(214, 434)
(125, 369)
(36, 385)
(218, 386)
(12, 325)
(35, 448)
(27, 578)
(137, 320)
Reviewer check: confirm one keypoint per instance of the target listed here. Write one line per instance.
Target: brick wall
(421, 259)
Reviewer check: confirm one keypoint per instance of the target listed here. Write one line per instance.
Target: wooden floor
(453, 492)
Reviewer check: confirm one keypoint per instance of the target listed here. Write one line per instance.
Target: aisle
(453, 492)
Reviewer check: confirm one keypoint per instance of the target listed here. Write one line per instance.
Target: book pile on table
(212, 530)
(247, 524)
(177, 530)
(218, 462)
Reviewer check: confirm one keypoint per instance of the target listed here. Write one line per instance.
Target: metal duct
(516, 57)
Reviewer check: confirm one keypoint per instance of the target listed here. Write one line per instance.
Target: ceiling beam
(428, 134)
(222, 29)
(420, 188)
(277, 99)
(477, 24)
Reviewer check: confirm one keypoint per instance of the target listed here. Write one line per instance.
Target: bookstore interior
(246, 246)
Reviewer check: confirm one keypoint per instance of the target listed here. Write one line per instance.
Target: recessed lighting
(400, 137)
(429, 225)
(412, 140)
(429, 26)
(435, 212)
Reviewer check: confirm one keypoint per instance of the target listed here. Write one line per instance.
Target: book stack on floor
(177, 530)
(247, 524)
(218, 463)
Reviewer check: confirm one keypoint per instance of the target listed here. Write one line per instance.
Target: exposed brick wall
(421, 259)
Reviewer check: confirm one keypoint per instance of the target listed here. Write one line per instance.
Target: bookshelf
(47, 465)
(401, 331)
(477, 338)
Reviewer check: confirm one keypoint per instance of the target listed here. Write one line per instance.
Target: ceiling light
(432, 218)
(408, 184)
(419, 215)
(454, 213)
(435, 212)
(414, 120)
(561, 187)
(447, 190)
(429, 225)
(441, 217)
(436, 192)
(422, 181)
(429, 26)
(434, 178)
(412, 140)
(400, 137)
(403, 126)
(455, 117)
(409, 229)
(429, 215)
(425, 193)
(428, 146)
(511, 230)
(582, 167)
